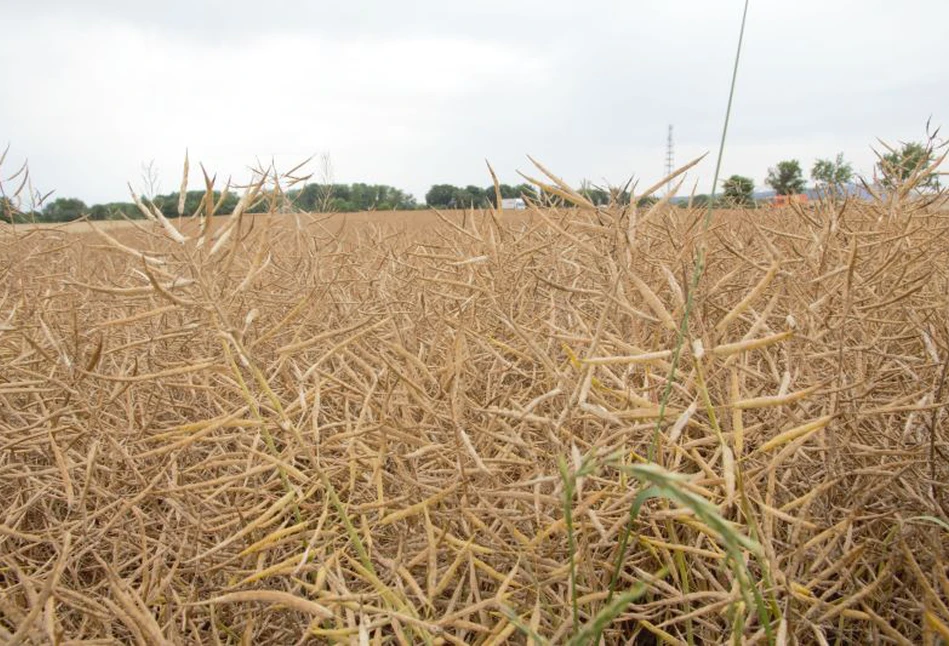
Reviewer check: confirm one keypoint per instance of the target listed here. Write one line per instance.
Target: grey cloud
(415, 93)
(213, 20)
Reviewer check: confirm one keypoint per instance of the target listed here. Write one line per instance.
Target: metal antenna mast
(670, 158)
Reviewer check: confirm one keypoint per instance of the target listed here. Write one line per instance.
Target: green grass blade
(591, 632)
(569, 484)
(638, 502)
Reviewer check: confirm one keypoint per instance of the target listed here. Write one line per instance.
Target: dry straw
(433, 428)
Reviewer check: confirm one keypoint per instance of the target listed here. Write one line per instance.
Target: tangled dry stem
(290, 428)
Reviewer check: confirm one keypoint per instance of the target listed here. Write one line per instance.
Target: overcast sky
(417, 93)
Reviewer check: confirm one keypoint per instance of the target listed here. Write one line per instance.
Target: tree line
(313, 197)
(833, 175)
(327, 198)
(786, 178)
(447, 196)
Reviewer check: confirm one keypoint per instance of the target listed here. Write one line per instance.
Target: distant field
(388, 428)
(393, 218)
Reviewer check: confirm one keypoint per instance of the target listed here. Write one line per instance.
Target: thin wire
(699, 268)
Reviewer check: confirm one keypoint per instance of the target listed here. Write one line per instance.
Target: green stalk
(569, 482)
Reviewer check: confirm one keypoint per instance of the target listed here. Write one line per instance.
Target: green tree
(700, 200)
(739, 191)
(787, 178)
(900, 165)
(362, 196)
(832, 174)
(389, 198)
(9, 212)
(441, 195)
(597, 196)
(309, 197)
(647, 201)
(399, 200)
(352, 197)
(8, 209)
(115, 211)
(342, 198)
(64, 209)
(99, 212)
(168, 204)
(508, 192)
(471, 196)
(379, 197)
(526, 191)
